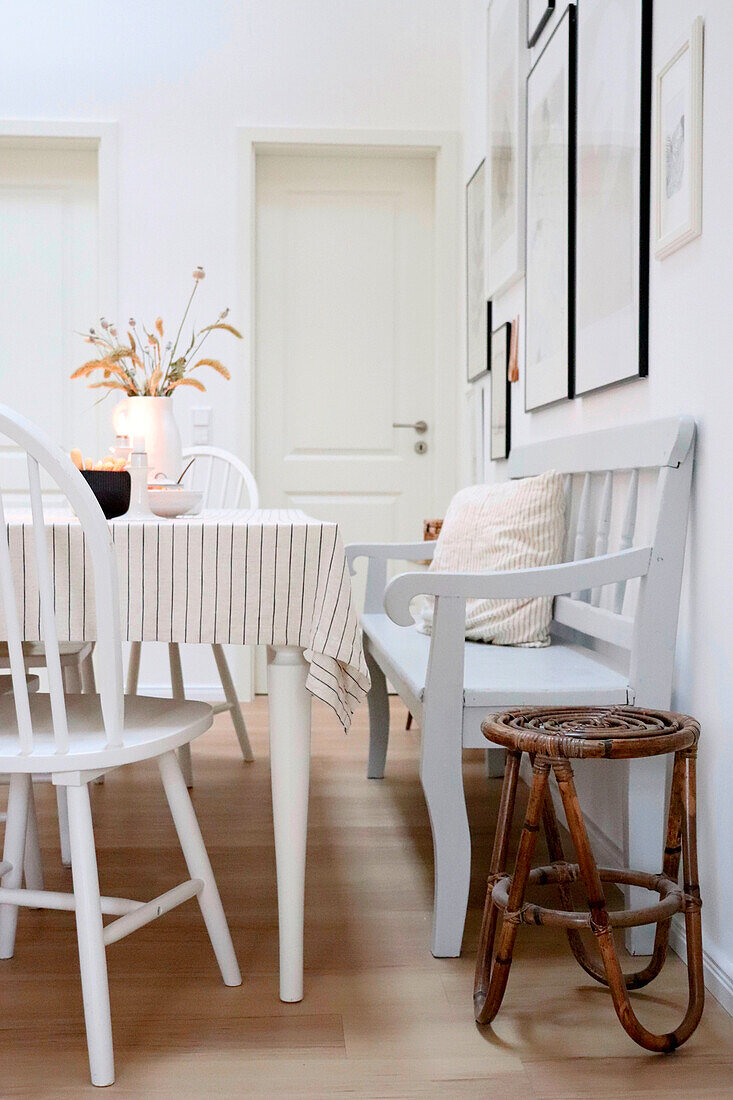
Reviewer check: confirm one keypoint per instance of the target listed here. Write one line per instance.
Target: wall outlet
(201, 418)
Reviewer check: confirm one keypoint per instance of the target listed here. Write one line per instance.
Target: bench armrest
(389, 551)
(546, 580)
(378, 554)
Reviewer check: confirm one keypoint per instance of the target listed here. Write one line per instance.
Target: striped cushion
(498, 528)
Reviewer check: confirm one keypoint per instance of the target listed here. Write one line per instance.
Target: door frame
(443, 148)
(101, 136)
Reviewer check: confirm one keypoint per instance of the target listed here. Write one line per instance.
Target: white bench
(601, 653)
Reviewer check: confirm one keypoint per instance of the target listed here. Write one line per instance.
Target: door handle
(420, 426)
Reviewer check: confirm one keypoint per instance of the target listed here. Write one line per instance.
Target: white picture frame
(549, 285)
(507, 58)
(678, 105)
(478, 309)
(614, 93)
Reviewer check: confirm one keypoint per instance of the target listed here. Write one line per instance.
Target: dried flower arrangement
(145, 367)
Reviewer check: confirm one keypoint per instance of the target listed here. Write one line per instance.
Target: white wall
(690, 372)
(179, 77)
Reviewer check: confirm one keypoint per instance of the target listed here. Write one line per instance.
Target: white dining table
(267, 577)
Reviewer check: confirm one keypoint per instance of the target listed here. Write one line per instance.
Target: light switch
(201, 416)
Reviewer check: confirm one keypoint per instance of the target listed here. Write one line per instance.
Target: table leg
(290, 735)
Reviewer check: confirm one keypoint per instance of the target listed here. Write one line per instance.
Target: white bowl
(174, 502)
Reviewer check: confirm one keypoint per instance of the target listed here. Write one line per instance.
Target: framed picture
(678, 146)
(613, 192)
(538, 12)
(550, 262)
(506, 59)
(478, 310)
(475, 430)
(500, 392)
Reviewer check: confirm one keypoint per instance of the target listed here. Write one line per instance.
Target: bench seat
(498, 676)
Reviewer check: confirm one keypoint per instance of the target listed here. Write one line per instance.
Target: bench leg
(378, 702)
(494, 761)
(441, 773)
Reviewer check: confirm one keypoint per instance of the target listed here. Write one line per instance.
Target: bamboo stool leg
(671, 868)
(599, 914)
(492, 974)
(496, 870)
(557, 855)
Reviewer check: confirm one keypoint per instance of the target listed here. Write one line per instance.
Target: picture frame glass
(505, 128)
(613, 192)
(675, 175)
(500, 392)
(477, 328)
(550, 230)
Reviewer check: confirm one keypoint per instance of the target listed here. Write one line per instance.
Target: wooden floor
(381, 1017)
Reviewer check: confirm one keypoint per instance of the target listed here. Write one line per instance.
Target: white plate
(174, 502)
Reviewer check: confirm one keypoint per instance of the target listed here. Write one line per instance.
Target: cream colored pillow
(496, 528)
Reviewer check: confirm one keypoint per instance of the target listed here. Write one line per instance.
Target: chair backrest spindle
(49, 632)
(14, 639)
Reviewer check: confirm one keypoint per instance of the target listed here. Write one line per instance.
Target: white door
(345, 339)
(48, 259)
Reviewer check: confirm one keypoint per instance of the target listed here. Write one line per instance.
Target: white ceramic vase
(153, 419)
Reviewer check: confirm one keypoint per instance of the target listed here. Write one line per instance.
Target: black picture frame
(534, 32)
(639, 85)
(501, 393)
(478, 318)
(565, 26)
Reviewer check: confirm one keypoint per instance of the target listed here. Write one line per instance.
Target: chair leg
(378, 703)
(71, 674)
(197, 861)
(63, 814)
(16, 826)
(231, 697)
(89, 930)
(32, 862)
(133, 668)
(179, 692)
(88, 680)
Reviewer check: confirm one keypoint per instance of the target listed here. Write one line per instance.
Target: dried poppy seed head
(199, 273)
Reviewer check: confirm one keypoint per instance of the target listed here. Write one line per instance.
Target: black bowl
(111, 488)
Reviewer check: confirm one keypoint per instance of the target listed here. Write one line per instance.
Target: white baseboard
(608, 854)
(206, 693)
(717, 981)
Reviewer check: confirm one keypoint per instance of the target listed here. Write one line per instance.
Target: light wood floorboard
(381, 1017)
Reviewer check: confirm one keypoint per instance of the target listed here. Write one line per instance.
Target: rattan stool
(552, 737)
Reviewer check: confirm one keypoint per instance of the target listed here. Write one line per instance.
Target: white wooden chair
(74, 738)
(226, 482)
(607, 648)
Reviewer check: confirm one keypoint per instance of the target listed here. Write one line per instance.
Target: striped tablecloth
(237, 577)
